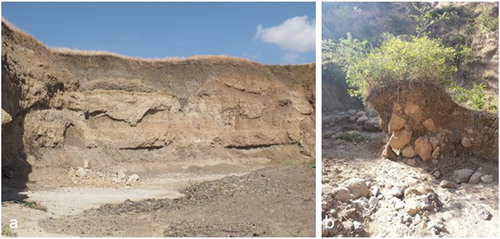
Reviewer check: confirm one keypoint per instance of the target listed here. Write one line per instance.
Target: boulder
(462, 175)
(372, 125)
(396, 123)
(423, 148)
(487, 178)
(357, 187)
(389, 153)
(429, 125)
(408, 151)
(361, 120)
(341, 193)
(400, 138)
(359, 114)
(413, 110)
(475, 178)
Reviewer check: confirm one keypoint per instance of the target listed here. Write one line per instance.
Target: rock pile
(348, 206)
(421, 120)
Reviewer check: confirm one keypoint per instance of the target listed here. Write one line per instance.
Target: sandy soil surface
(395, 187)
(273, 201)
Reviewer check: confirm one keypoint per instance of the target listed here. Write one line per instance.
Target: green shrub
(410, 59)
(7, 231)
(35, 205)
(353, 136)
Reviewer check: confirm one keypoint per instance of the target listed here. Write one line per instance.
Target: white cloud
(296, 34)
(291, 57)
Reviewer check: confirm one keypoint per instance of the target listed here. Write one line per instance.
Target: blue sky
(270, 33)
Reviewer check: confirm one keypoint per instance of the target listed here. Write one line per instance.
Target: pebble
(86, 164)
(485, 215)
(475, 178)
(374, 190)
(436, 174)
(373, 202)
(81, 172)
(462, 175)
(447, 184)
(358, 226)
(397, 191)
(357, 187)
(132, 178)
(341, 193)
(487, 178)
(412, 207)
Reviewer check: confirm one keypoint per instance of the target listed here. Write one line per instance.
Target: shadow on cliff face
(15, 168)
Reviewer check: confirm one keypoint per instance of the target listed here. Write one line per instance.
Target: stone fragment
(81, 172)
(400, 139)
(6, 118)
(360, 114)
(412, 207)
(86, 164)
(462, 175)
(132, 178)
(358, 226)
(396, 123)
(397, 191)
(485, 215)
(466, 142)
(361, 120)
(408, 151)
(435, 153)
(357, 187)
(447, 184)
(487, 178)
(342, 194)
(436, 173)
(429, 125)
(389, 153)
(434, 141)
(423, 148)
(412, 110)
(373, 202)
(475, 178)
(372, 125)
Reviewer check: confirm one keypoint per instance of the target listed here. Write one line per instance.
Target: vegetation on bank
(437, 49)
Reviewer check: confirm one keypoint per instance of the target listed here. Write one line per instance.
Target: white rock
(373, 202)
(133, 178)
(81, 172)
(357, 187)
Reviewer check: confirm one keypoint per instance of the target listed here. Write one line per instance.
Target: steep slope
(61, 108)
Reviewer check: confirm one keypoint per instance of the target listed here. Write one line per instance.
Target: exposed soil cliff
(61, 108)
